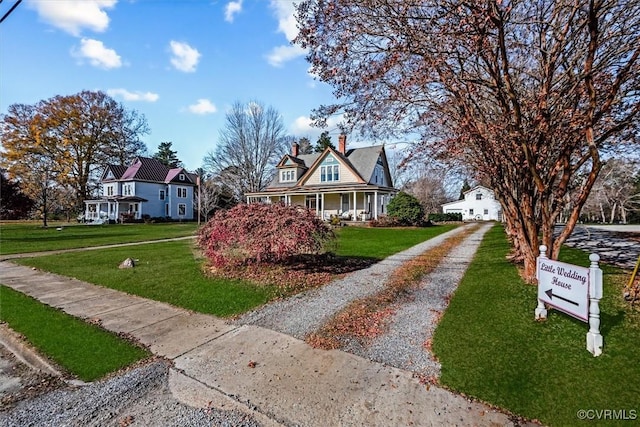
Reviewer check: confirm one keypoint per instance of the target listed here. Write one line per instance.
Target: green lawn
(491, 348)
(31, 237)
(166, 271)
(171, 272)
(84, 350)
(379, 243)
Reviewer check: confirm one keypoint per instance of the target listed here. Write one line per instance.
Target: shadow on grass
(610, 321)
(328, 263)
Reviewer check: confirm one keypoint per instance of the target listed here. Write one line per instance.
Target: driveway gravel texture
(137, 397)
(140, 396)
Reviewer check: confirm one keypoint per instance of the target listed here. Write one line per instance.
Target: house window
(182, 192)
(288, 175)
(162, 194)
(110, 190)
(181, 177)
(182, 209)
(470, 211)
(478, 196)
(486, 211)
(127, 190)
(329, 173)
(166, 209)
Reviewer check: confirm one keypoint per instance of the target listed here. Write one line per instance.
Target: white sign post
(573, 290)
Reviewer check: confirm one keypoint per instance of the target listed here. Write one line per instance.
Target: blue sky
(181, 63)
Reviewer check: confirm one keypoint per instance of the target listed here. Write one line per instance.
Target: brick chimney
(295, 149)
(342, 143)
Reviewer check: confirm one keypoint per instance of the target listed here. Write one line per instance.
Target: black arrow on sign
(551, 295)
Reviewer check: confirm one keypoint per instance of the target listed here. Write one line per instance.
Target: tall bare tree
(528, 93)
(249, 146)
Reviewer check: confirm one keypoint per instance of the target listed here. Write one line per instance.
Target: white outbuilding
(479, 204)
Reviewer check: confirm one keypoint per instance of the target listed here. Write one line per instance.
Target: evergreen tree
(167, 156)
(465, 187)
(323, 142)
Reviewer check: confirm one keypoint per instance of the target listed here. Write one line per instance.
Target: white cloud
(97, 54)
(185, 58)
(302, 127)
(74, 15)
(133, 96)
(232, 9)
(281, 54)
(203, 106)
(287, 25)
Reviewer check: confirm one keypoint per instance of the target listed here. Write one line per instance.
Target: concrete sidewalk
(279, 379)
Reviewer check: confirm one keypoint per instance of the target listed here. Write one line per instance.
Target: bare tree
(250, 144)
(526, 93)
(614, 192)
(429, 190)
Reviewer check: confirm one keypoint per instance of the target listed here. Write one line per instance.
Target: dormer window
(288, 175)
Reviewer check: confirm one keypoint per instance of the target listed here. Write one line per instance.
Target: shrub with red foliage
(262, 233)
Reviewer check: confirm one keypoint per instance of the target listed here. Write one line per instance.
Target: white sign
(565, 287)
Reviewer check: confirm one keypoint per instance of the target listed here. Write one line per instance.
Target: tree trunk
(613, 212)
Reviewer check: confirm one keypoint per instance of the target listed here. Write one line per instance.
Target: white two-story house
(146, 187)
(479, 204)
(353, 184)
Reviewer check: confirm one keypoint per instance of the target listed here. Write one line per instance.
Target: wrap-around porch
(347, 204)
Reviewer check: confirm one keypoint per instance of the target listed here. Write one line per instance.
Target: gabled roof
(147, 169)
(343, 159)
(287, 157)
(360, 161)
(174, 176)
(113, 172)
(478, 187)
(364, 160)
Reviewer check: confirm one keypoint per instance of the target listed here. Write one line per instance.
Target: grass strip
(30, 237)
(85, 350)
(490, 347)
(367, 318)
(379, 243)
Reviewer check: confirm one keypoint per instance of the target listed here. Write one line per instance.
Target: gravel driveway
(414, 320)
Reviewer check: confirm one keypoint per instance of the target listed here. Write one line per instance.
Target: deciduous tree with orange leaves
(529, 94)
(67, 141)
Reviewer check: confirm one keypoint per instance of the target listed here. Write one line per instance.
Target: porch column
(322, 204)
(364, 202)
(117, 211)
(375, 205)
(355, 206)
(317, 204)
